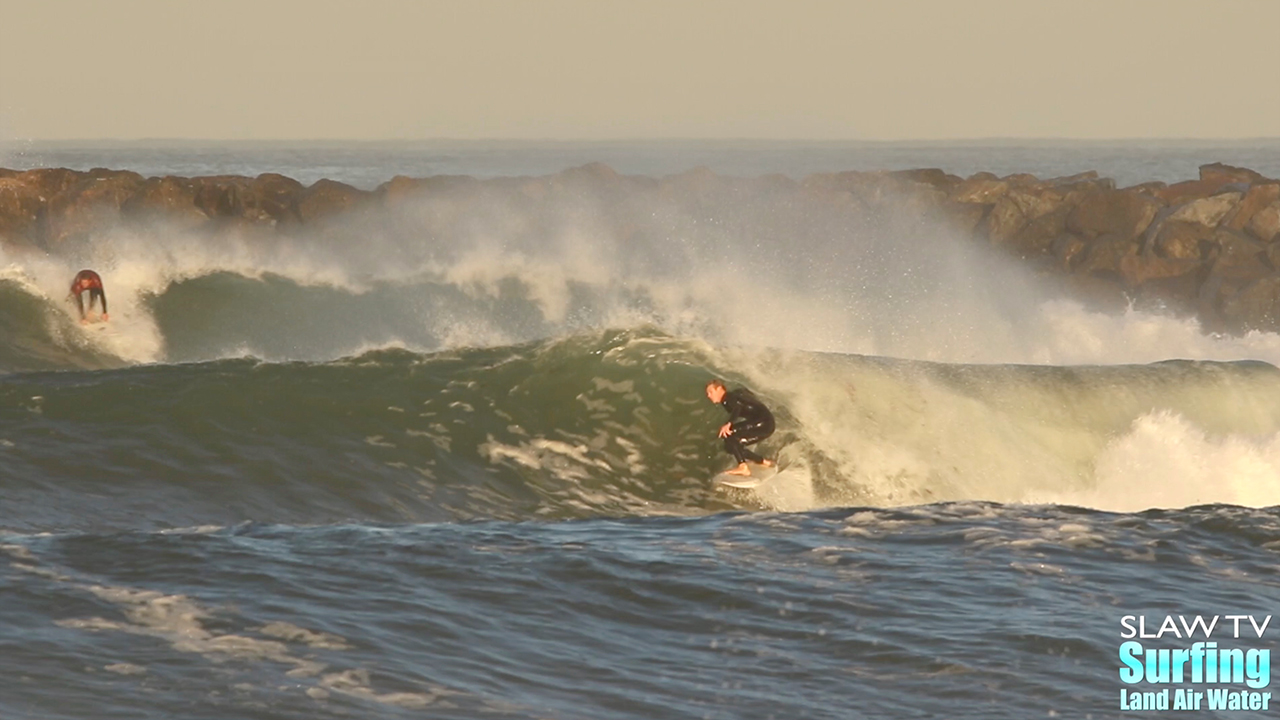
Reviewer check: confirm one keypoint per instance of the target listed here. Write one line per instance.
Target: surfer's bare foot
(742, 470)
(767, 462)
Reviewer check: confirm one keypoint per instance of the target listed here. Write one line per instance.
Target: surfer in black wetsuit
(91, 281)
(749, 423)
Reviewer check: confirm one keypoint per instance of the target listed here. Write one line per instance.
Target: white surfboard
(759, 474)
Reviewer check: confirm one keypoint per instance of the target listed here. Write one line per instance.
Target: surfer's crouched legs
(736, 445)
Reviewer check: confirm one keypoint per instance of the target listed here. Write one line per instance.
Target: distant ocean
(462, 468)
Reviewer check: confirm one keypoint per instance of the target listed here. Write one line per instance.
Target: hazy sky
(596, 69)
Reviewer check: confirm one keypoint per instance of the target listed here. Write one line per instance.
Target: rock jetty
(1208, 247)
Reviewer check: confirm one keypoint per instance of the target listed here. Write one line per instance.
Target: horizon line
(691, 139)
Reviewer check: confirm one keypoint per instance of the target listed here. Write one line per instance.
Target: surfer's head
(716, 391)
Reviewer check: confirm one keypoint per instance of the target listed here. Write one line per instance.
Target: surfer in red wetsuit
(749, 423)
(91, 281)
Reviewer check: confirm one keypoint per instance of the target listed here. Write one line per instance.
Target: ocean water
(456, 462)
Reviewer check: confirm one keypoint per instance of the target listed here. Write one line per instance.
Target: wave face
(615, 424)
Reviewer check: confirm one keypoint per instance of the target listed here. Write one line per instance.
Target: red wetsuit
(88, 280)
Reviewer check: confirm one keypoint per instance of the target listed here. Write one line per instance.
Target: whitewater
(454, 458)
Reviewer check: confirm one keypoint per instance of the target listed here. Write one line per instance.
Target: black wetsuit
(751, 423)
(88, 280)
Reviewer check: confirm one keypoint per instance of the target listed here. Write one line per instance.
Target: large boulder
(1265, 224)
(1215, 172)
(964, 216)
(1256, 199)
(983, 188)
(48, 183)
(1028, 218)
(1081, 183)
(223, 196)
(1178, 240)
(1137, 270)
(329, 198)
(89, 206)
(1112, 212)
(1208, 211)
(1256, 306)
(169, 199)
(1179, 193)
(1239, 261)
(933, 177)
(1105, 254)
(276, 196)
(264, 201)
(21, 206)
(1068, 250)
(1004, 222)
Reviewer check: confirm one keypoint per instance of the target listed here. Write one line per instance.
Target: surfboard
(95, 322)
(759, 475)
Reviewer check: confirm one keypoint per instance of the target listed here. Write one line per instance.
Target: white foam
(1165, 461)
(816, 278)
(181, 621)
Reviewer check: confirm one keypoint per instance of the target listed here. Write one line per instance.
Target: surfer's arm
(79, 303)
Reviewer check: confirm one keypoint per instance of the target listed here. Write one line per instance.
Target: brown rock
(327, 198)
(1215, 172)
(1256, 306)
(1073, 179)
(1140, 269)
(982, 190)
(1239, 256)
(1038, 235)
(1102, 293)
(1022, 179)
(222, 196)
(172, 199)
(398, 189)
(1068, 249)
(277, 196)
(50, 182)
(933, 177)
(1207, 211)
(1105, 253)
(1087, 182)
(20, 208)
(1152, 188)
(1003, 222)
(1177, 240)
(1257, 198)
(89, 206)
(1265, 224)
(1166, 290)
(1183, 192)
(963, 216)
(1115, 212)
